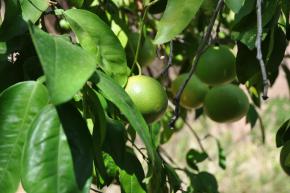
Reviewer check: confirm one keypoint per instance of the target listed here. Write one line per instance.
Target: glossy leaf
(283, 134)
(79, 140)
(19, 105)
(175, 19)
(234, 5)
(94, 109)
(173, 178)
(252, 116)
(66, 67)
(204, 182)
(32, 9)
(13, 24)
(115, 140)
(47, 161)
(116, 94)
(129, 183)
(95, 36)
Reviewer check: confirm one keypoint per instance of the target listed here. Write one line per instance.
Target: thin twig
(262, 127)
(266, 83)
(198, 139)
(138, 149)
(95, 190)
(203, 45)
(170, 58)
(167, 155)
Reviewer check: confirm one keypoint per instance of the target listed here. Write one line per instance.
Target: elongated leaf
(176, 17)
(95, 36)
(235, 5)
(283, 134)
(173, 178)
(19, 105)
(13, 24)
(117, 95)
(66, 67)
(32, 9)
(47, 162)
(80, 142)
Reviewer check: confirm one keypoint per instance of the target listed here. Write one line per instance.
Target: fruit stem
(135, 62)
(202, 46)
(266, 83)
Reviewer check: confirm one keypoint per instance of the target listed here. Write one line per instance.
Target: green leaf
(80, 142)
(115, 140)
(173, 178)
(130, 183)
(76, 3)
(175, 19)
(283, 134)
(13, 24)
(95, 36)
(221, 155)
(19, 105)
(234, 5)
(95, 110)
(204, 182)
(252, 116)
(66, 67)
(195, 156)
(117, 95)
(132, 165)
(47, 162)
(32, 9)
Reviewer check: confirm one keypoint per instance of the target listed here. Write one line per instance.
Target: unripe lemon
(226, 103)
(148, 95)
(284, 155)
(194, 92)
(216, 66)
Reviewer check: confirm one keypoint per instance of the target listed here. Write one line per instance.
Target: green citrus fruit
(194, 92)
(148, 95)
(226, 103)
(63, 24)
(216, 66)
(285, 157)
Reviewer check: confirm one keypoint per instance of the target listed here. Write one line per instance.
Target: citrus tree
(80, 87)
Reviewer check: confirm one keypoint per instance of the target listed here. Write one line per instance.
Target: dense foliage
(66, 120)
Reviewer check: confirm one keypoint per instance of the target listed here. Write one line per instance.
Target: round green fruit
(285, 155)
(194, 92)
(63, 24)
(216, 66)
(148, 96)
(226, 103)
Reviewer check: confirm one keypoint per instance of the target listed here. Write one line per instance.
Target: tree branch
(203, 45)
(197, 139)
(169, 63)
(266, 83)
